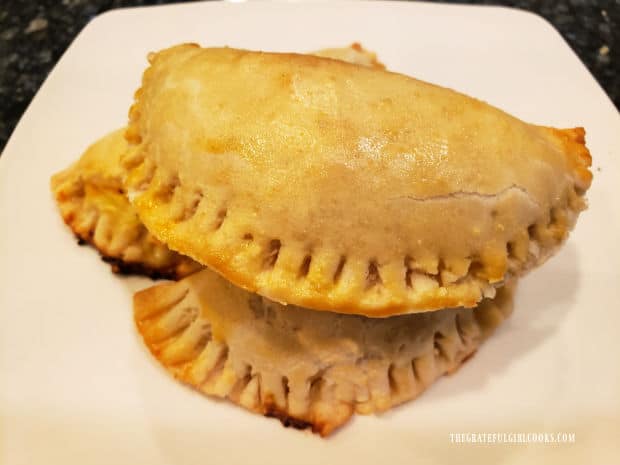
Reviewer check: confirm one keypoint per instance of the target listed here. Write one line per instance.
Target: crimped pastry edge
(127, 248)
(170, 319)
(254, 261)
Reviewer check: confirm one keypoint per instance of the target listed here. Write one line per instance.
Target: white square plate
(76, 384)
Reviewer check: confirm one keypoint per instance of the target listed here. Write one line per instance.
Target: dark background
(34, 34)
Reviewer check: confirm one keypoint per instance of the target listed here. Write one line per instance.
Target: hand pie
(339, 187)
(307, 368)
(91, 201)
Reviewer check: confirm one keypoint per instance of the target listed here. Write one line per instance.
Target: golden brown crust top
(339, 187)
(91, 200)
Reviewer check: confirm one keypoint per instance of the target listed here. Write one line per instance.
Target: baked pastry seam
(309, 369)
(271, 202)
(92, 203)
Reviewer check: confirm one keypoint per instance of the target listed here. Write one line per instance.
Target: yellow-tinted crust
(92, 203)
(92, 187)
(338, 187)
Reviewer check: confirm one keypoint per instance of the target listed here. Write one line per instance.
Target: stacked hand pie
(342, 235)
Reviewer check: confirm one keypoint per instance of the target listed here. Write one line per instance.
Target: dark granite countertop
(33, 35)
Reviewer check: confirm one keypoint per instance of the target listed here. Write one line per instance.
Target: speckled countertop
(33, 35)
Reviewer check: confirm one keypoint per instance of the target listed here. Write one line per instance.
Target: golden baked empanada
(90, 197)
(93, 186)
(339, 187)
(307, 368)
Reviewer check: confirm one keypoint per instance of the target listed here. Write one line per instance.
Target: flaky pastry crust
(338, 187)
(92, 203)
(309, 369)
